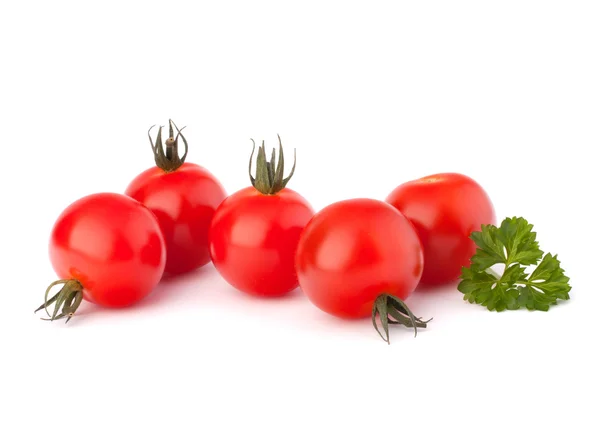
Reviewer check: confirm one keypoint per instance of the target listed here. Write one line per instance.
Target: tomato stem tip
(66, 300)
(168, 158)
(392, 310)
(269, 173)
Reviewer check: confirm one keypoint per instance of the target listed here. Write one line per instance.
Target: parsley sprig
(514, 246)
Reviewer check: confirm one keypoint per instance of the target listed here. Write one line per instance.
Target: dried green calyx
(66, 301)
(167, 158)
(392, 310)
(269, 174)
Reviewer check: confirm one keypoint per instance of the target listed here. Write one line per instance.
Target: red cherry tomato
(108, 249)
(445, 209)
(255, 231)
(253, 240)
(358, 258)
(183, 196)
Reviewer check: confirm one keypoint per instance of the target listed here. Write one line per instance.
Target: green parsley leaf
(514, 246)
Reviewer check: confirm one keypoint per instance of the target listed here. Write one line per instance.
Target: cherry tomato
(445, 209)
(358, 258)
(184, 197)
(107, 249)
(255, 231)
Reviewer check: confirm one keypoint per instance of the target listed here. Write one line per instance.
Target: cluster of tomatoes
(354, 258)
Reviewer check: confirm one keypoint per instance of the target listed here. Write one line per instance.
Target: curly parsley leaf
(514, 246)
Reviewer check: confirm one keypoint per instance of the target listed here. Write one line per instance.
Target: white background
(371, 94)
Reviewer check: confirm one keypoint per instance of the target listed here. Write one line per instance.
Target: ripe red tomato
(445, 209)
(360, 257)
(108, 249)
(183, 196)
(255, 231)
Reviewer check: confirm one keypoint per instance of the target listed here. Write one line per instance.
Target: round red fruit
(445, 209)
(358, 258)
(107, 249)
(255, 231)
(184, 197)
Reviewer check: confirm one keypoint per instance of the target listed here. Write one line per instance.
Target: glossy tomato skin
(253, 239)
(184, 201)
(112, 245)
(353, 251)
(444, 208)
